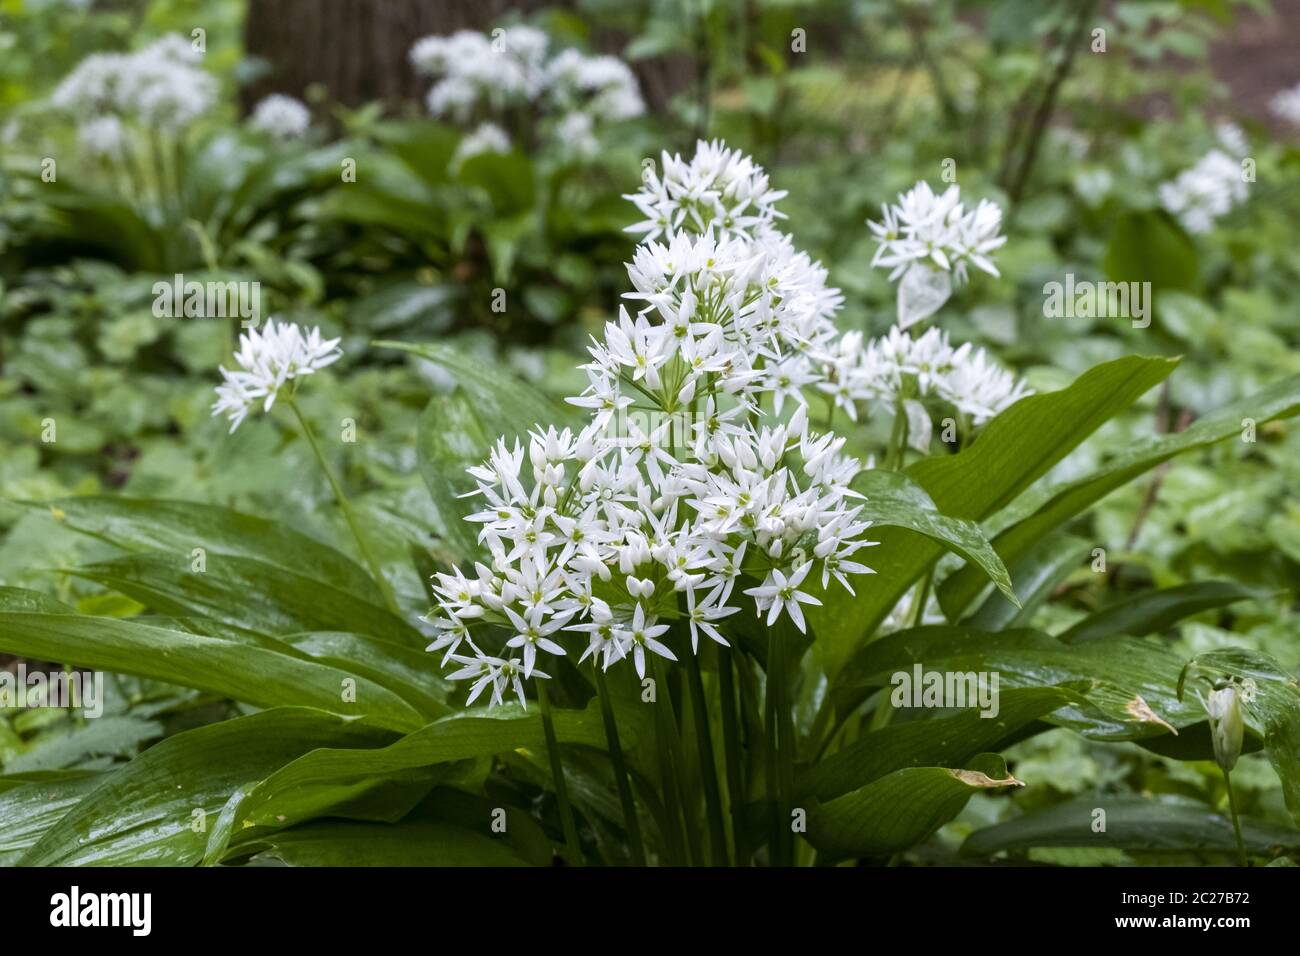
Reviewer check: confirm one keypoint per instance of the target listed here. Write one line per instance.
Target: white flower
(282, 116)
(898, 366)
(160, 86)
(779, 591)
(486, 138)
(1286, 105)
(1205, 192)
(267, 360)
(102, 136)
(719, 188)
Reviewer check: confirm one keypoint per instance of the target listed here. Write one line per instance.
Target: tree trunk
(357, 49)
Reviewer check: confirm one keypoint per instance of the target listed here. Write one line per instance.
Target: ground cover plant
(555, 469)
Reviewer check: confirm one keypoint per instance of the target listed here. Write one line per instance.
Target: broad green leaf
(31, 803)
(901, 809)
(245, 593)
(1171, 824)
(940, 741)
(350, 843)
(318, 780)
(156, 809)
(413, 674)
(1036, 517)
(1149, 248)
(1156, 611)
(506, 404)
(178, 527)
(1037, 574)
(1133, 681)
(22, 599)
(452, 438)
(1015, 449)
(110, 735)
(251, 673)
(894, 500)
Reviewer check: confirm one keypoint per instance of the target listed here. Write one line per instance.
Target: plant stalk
(708, 766)
(1236, 822)
(557, 773)
(346, 508)
(630, 820)
(731, 755)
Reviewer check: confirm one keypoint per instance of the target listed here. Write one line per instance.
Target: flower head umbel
(929, 241)
(678, 486)
(1198, 196)
(479, 79)
(1286, 105)
(281, 117)
(267, 360)
(161, 86)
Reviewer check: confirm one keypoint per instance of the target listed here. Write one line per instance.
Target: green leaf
(409, 843)
(1156, 611)
(110, 735)
(1132, 823)
(1036, 517)
(506, 404)
(895, 500)
(1133, 681)
(255, 674)
(145, 812)
(245, 593)
(178, 527)
(452, 438)
(901, 809)
(32, 803)
(1015, 449)
(1150, 247)
(317, 781)
(1036, 574)
(939, 741)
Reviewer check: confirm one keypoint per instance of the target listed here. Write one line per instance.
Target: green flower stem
(731, 755)
(897, 438)
(630, 820)
(675, 834)
(782, 736)
(346, 508)
(708, 766)
(922, 596)
(557, 774)
(1236, 823)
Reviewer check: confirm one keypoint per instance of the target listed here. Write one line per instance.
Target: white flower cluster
(161, 86)
(897, 367)
(720, 190)
(937, 230)
(481, 76)
(1286, 105)
(282, 117)
(637, 520)
(486, 138)
(1210, 188)
(931, 235)
(267, 360)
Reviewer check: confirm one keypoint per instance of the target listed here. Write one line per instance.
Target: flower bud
(1224, 708)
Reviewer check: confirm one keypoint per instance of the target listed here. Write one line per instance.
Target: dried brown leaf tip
(1140, 710)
